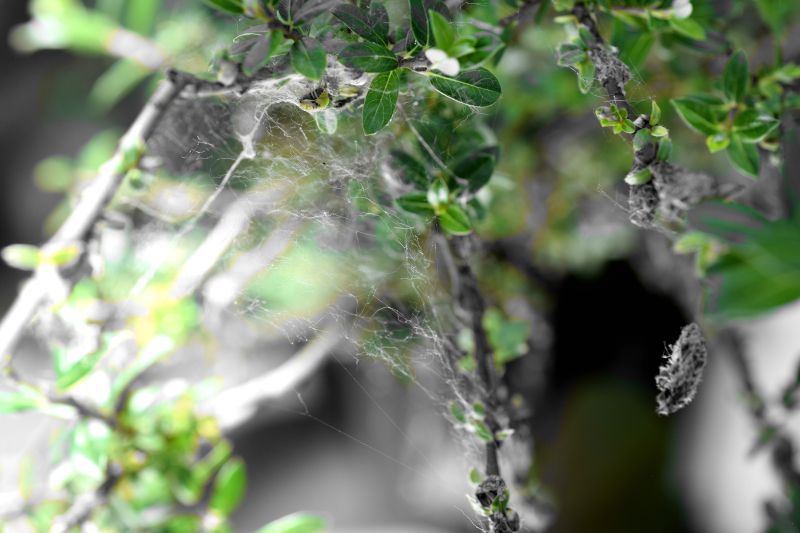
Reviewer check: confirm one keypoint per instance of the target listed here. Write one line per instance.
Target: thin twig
(236, 404)
(93, 201)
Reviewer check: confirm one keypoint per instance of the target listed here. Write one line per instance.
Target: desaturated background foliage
(375, 453)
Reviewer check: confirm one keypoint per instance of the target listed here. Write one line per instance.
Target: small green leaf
(372, 25)
(744, 156)
(443, 33)
(476, 87)
(380, 102)
(482, 430)
(73, 367)
(691, 241)
(457, 413)
(61, 256)
(655, 113)
(455, 221)
(415, 202)
(15, 402)
(700, 113)
(508, 338)
(659, 131)
(308, 58)
(664, 149)
(736, 78)
(503, 434)
(326, 121)
(639, 177)
(570, 54)
(477, 167)
(295, 523)
(234, 7)
(752, 127)
(688, 27)
(411, 170)
(717, 142)
(229, 487)
(474, 476)
(642, 139)
(420, 22)
(21, 256)
(438, 193)
(369, 57)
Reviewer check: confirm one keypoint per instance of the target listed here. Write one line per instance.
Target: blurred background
(375, 453)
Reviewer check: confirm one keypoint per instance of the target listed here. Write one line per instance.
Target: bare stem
(95, 198)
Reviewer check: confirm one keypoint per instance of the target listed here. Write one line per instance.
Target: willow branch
(95, 198)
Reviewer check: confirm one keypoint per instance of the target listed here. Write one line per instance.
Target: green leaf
(415, 202)
(326, 121)
(736, 78)
(235, 7)
(380, 102)
(482, 431)
(454, 220)
(411, 170)
(308, 58)
(508, 338)
(760, 273)
(477, 167)
(702, 114)
(295, 523)
(15, 402)
(476, 87)
(73, 367)
(655, 113)
(659, 131)
(21, 256)
(639, 177)
(717, 142)
(229, 487)
(752, 127)
(142, 15)
(369, 57)
(438, 193)
(744, 156)
(457, 413)
(443, 33)
(664, 149)
(642, 138)
(688, 27)
(570, 54)
(474, 476)
(420, 23)
(372, 25)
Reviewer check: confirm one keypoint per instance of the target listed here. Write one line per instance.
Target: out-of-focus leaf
(308, 58)
(295, 523)
(736, 78)
(744, 156)
(229, 487)
(454, 220)
(702, 113)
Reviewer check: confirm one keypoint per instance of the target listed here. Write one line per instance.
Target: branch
(83, 507)
(93, 201)
(236, 404)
